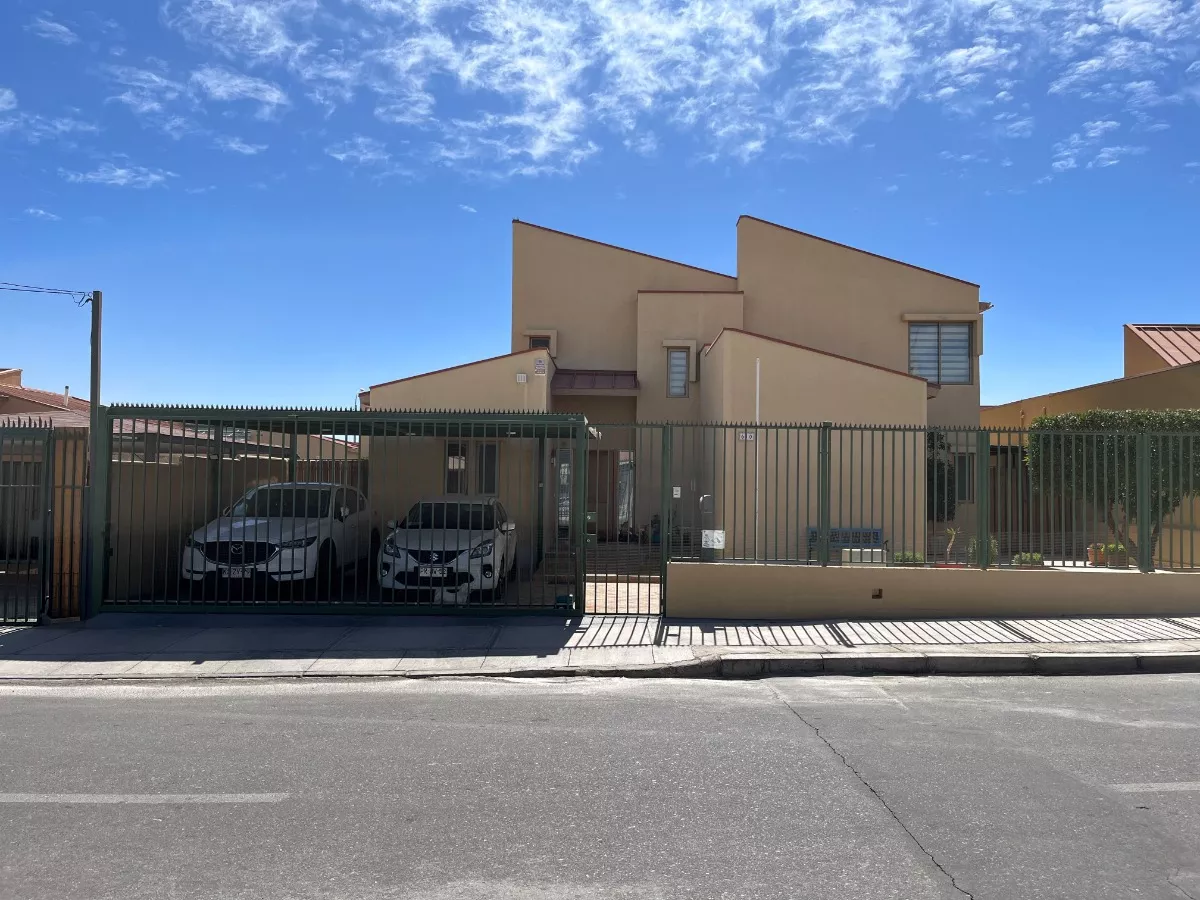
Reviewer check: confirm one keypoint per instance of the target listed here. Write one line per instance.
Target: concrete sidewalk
(144, 646)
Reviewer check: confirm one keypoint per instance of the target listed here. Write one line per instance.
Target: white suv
(450, 546)
(292, 531)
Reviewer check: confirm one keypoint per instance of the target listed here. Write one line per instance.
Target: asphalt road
(807, 788)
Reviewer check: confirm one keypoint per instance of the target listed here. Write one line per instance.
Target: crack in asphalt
(878, 796)
(1171, 881)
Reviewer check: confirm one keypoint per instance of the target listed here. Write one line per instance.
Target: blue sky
(287, 200)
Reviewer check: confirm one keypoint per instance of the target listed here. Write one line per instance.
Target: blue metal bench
(847, 539)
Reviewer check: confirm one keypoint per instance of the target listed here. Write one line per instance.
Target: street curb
(733, 667)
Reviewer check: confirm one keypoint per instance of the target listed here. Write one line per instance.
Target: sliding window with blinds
(940, 351)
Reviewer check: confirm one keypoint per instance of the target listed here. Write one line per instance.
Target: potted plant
(1028, 560)
(907, 558)
(1095, 554)
(1115, 556)
(993, 551)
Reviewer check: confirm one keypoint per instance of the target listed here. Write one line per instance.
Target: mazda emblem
(235, 549)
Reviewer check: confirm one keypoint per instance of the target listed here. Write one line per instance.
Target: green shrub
(1094, 456)
(1028, 559)
(907, 558)
(973, 551)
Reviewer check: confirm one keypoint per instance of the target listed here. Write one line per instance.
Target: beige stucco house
(806, 331)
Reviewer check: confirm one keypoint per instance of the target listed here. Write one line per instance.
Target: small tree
(940, 495)
(1094, 456)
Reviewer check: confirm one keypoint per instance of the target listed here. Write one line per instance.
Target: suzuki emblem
(433, 557)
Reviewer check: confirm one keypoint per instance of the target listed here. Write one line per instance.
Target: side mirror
(510, 527)
(390, 523)
(343, 513)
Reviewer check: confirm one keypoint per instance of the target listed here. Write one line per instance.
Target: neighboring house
(20, 402)
(806, 331)
(1162, 371)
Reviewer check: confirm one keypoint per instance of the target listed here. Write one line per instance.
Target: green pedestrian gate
(42, 500)
(339, 510)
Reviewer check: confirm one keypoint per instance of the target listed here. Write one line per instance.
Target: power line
(80, 297)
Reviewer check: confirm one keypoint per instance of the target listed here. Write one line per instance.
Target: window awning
(611, 382)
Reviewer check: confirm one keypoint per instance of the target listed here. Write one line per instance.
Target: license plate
(237, 572)
(432, 572)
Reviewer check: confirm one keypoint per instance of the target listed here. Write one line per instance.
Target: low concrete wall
(750, 591)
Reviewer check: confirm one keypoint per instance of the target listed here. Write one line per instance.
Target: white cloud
(225, 85)
(45, 27)
(1100, 128)
(36, 129)
(146, 91)
(1014, 125)
(120, 176)
(466, 208)
(237, 145)
(36, 213)
(536, 86)
(1191, 165)
(8, 99)
(363, 151)
(892, 188)
(1110, 156)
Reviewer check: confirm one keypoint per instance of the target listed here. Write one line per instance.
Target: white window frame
(940, 361)
(687, 372)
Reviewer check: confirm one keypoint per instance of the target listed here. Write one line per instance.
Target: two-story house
(807, 330)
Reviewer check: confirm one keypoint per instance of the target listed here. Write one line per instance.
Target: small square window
(677, 373)
(456, 467)
(539, 342)
(940, 352)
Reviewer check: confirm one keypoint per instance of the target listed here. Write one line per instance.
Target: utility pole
(97, 302)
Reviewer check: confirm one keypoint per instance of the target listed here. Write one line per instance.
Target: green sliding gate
(327, 510)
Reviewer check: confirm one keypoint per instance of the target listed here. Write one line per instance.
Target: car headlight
(484, 549)
(390, 548)
(193, 541)
(297, 543)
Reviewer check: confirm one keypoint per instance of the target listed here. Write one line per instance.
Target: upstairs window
(539, 342)
(940, 351)
(677, 373)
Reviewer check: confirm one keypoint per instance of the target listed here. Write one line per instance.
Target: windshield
(451, 516)
(284, 503)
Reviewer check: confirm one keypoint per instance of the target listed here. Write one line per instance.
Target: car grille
(239, 553)
(433, 557)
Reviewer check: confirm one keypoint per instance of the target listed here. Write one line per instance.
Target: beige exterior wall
(1174, 388)
(1140, 356)
(844, 301)
(490, 384)
(798, 385)
(877, 480)
(742, 591)
(685, 321)
(598, 409)
(10, 377)
(587, 291)
(67, 528)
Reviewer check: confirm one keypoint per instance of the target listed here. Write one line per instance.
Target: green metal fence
(827, 494)
(43, 473)
(339, 510)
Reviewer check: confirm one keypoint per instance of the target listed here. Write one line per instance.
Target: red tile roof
(594, 380)
(46, 398)
(1178, 345)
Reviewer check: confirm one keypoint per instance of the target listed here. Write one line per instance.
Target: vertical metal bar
(1145, 551)
(824, 488)
(982, 486)
(579, 514)
(666, 438)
